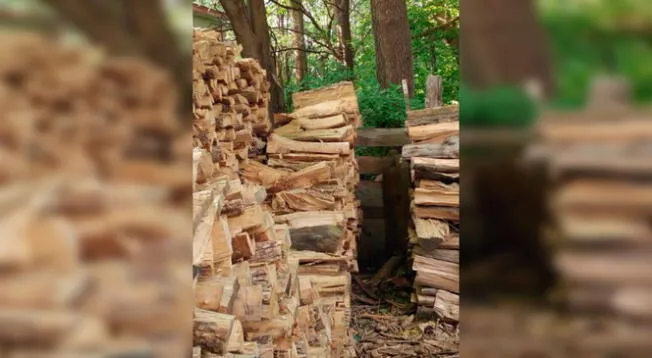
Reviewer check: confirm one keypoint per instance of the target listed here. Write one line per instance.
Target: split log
(217, 333)
(322, 238)
(436, 212)
(426, 116)
(447, 305)
(435, 165)
(279, 145)
(448, 149)
(433, 133)
(433, 197)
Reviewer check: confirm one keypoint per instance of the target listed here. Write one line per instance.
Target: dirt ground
(384, 324)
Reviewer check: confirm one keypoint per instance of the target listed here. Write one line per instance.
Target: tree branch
(444, 26)
(286, 49)
(304, 10)
(328, 46)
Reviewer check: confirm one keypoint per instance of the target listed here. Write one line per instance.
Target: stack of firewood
(434, 162)
(245, 285)
(232, 94)
(602, 207)
(246, 291)
(253, 296)
(311, 172)
(93, 221)
(310, 177)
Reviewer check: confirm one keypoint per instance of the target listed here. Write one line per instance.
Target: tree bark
(252, 32)
(343, 20)
(261, 29)
(393, 43)
(492, 29)
(300, 55)
(237, 12)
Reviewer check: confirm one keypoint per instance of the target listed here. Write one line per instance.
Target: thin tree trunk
(268, 61)
(393, 43)
(300, 55)
(343, 20)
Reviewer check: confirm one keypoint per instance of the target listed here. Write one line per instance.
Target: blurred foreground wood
(93, 202)
(602, 207)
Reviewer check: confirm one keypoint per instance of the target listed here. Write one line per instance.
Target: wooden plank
(373, 165)
(381, 137)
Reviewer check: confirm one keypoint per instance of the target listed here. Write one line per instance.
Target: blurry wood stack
(434, 162)
(231, 94)
(93, 221)
(249, 299)
(601, 207)
(310, 177)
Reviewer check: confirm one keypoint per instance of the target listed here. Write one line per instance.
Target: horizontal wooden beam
(374, 165)
(381, 137)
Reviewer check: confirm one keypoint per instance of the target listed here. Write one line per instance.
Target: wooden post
(406, 94)
(434, 92)
(396, 204)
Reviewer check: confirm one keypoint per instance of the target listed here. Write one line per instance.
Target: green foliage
(430, 48)
(385, 108)
(502, 106)
(590, 39)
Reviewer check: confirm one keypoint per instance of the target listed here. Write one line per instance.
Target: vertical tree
(300, 57)
(249, 22)
(492, 29)
(343, 21)
(393, 43)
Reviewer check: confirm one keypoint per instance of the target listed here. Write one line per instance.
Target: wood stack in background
(310, 177)
(601, 206)
(94, 225)
(434, 162)
(232, 94)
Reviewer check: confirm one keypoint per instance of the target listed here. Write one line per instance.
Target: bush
(503, 106)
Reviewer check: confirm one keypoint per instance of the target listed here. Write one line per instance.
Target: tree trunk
(261, 29)
(493, 29)
(253, 34)
(300, 56)
(393, 43)
(343, 20)
(237, 12)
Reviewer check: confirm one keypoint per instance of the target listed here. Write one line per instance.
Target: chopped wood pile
(602, 206)
(232, 94)
(254, 296)
(434, 162)
(312, 173)
(93, 222)
(310, 177)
